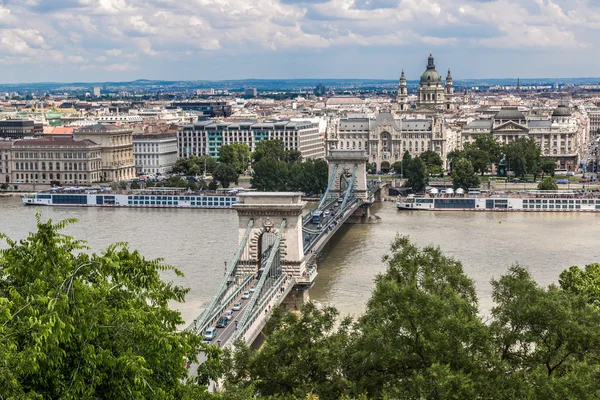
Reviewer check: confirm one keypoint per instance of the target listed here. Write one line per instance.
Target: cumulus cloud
(123, 35)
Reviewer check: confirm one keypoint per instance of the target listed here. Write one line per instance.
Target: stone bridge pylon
(342, 164)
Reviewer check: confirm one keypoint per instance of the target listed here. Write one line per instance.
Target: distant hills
(145, 85)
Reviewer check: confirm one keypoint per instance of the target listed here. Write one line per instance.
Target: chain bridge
(274, 264)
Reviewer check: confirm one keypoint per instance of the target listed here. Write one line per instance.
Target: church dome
(561, 111)
(430, 75)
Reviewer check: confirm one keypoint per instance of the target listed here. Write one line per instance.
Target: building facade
(208, 109)
(116, 144)
(432, 94)
(205, 138)
(19, 128)
(61, 161)
(560, 136)
(155, 153)
(385, 139)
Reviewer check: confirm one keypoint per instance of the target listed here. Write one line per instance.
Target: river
(199, 242)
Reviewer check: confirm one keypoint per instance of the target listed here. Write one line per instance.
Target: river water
(199, 242)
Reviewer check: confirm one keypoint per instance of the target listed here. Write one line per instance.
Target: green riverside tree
(236, 155)
(548, 183)
(463, 175)
(270, 175)
(75, 325)
(225, 174)
(416, 175)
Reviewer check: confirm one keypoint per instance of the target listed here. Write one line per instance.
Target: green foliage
(490, 146)
(547, 166)
(421, 337)
(548, 183)
(463, 175)
(225, 174)
(584, 282)
(310, 176)
(431, 159)
(236, 155)
(479, 159)
(269, 149)
(421, 321)
(270, 175)
(177, 182)
(213, 185)
(4, 186)
(523, 156)
(195, 166)
(134, 185)
(301, 355)
(75, 325)
(454, 156)
(416, 174)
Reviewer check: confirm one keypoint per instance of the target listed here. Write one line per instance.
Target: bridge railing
(201, 321)
(200, 327)
(261, 306)
(325, 230)
(268, 265)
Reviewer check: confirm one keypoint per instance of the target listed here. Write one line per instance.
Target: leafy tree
(420, 335)
(135, 185)
(235, 154)
(302, 354)
(479, 159)
(490, 146)
(293, 156)
(4, 186)
(463, 175)
(523, 156)
(547, 166)
(75, 325)
(225, 174)
(269, 148)
(431, 159)
(398, 168)
(310, 176)
(548, 338)
(454, 156)
(270, 175)
(213, 185)
(194, 166)
(584, 282)
(416, 175)
(548, 183)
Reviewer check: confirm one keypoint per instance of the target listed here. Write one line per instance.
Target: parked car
(210, 333)
(246, 295)
(222, 322)
(237, 306)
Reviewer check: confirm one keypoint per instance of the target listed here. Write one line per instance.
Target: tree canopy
(236, 154)
(415, 172)
(548, 183)
(225, 174)
(76, 325)
(463, 175)
(523, 156)
(194, 166)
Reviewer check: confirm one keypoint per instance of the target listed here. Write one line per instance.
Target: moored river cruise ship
(149, 198)
(534, 200)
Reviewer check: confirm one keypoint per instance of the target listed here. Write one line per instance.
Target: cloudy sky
(98, 40)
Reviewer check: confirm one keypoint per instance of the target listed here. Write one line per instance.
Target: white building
(155, 153)
(385, 138)
(207, 137)
(561, 136)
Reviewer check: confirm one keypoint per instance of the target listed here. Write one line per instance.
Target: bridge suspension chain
(274, 251)
(331, 180)
(350, 188)
(209, 312)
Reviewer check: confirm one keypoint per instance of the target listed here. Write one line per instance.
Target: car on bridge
(246, 295)
(340, 200)
(237, 307)
(210, 334)
(222, 322)
(228, 314)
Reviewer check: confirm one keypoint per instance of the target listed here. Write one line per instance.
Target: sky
(120, 40)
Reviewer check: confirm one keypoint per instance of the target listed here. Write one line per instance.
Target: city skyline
(123, 40)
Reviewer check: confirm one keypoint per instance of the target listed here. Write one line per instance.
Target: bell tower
(402, 97)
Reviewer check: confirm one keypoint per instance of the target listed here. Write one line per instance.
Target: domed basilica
(432, 95)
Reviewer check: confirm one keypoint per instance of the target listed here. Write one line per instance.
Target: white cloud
(121, 34)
